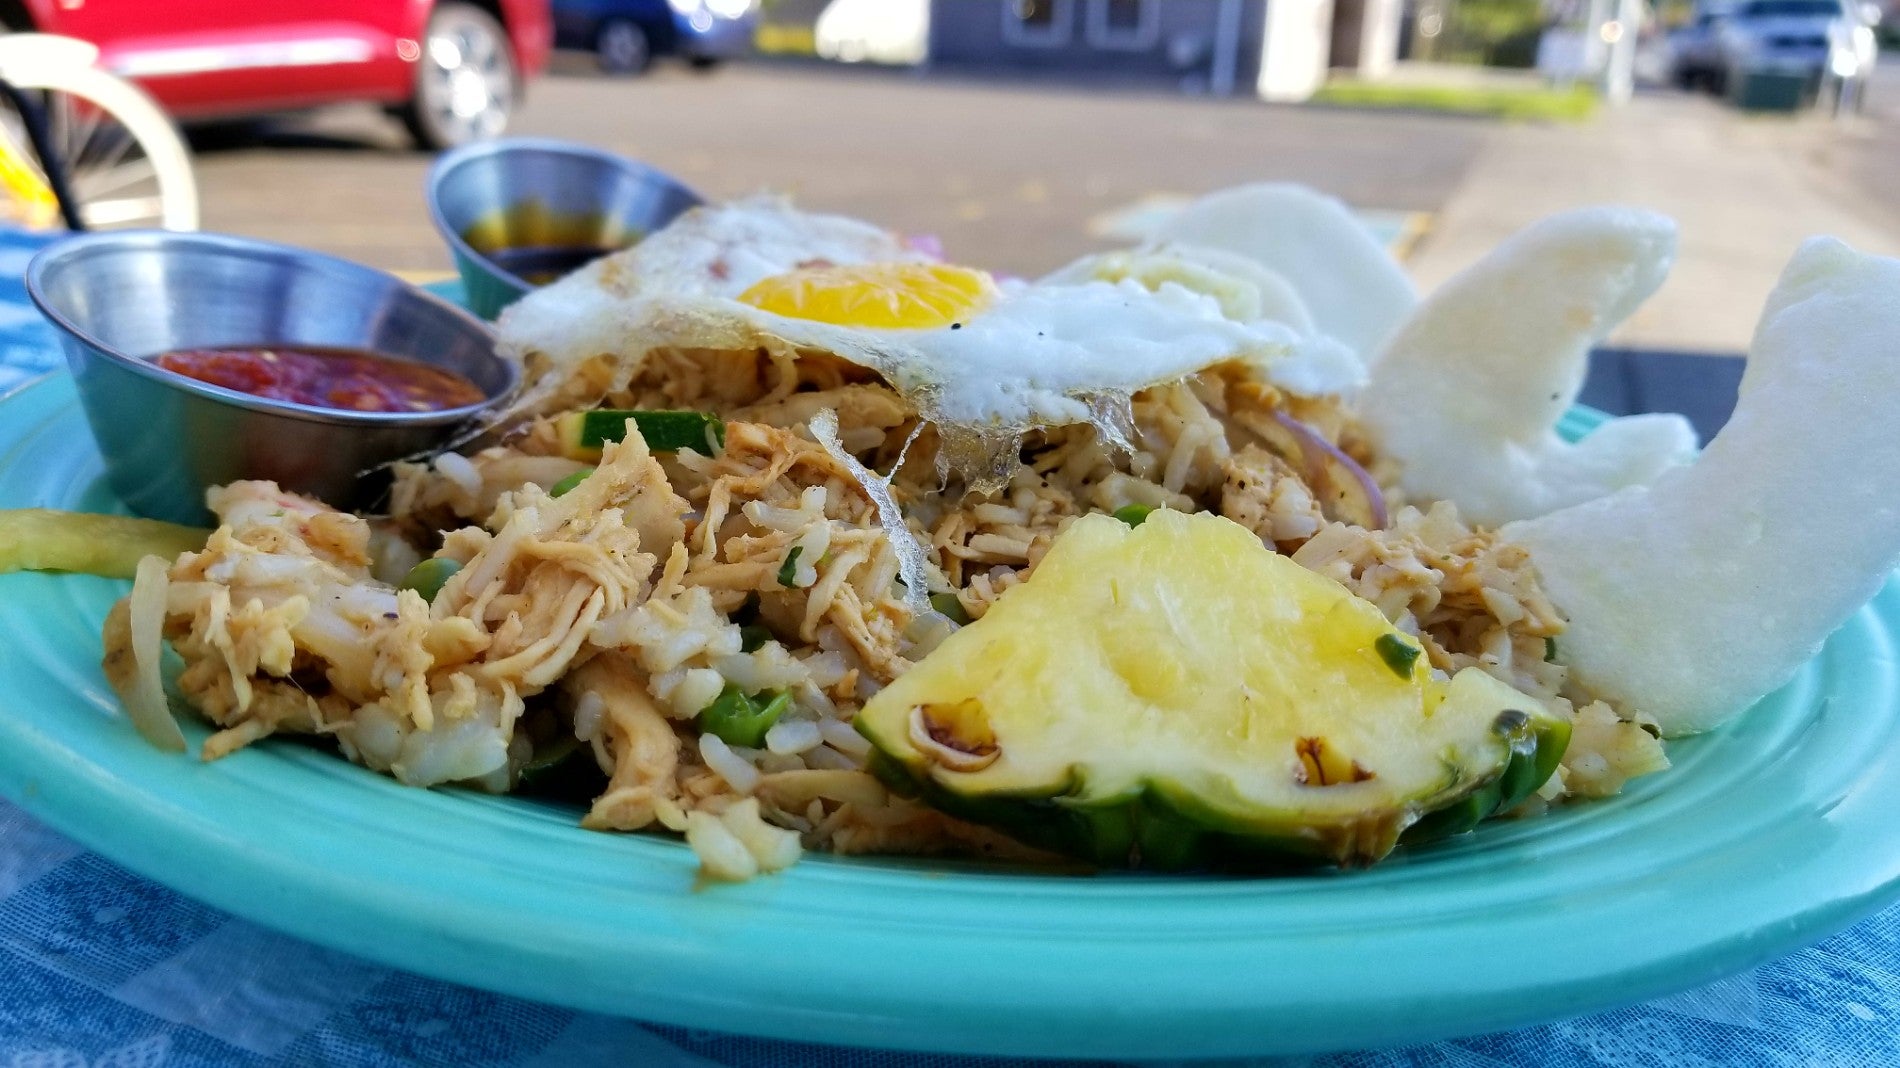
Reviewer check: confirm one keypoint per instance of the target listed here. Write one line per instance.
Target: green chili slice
(737, 719)
(788, 571)
(1133, 514)
(1398, 654)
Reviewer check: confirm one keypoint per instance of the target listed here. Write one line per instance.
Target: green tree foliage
(1500, 33)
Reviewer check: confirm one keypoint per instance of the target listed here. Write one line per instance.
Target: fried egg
(972, 353)
(1247, 292)
(709, 252)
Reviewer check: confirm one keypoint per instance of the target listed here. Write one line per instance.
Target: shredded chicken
(643, 749)
(624, 608)
(282, 628)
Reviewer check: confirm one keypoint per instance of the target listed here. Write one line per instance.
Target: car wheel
(705, 62)
(621, 47)
(466, 84)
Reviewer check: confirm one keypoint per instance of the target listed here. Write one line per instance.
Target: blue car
(625, 35)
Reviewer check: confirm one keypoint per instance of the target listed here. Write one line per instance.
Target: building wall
(1366, 36)
(1296, 49)
(1175, 43)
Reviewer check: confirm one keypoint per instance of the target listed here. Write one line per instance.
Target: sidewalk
(1746, 190)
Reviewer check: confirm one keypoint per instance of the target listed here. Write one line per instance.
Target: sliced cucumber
(583, 434)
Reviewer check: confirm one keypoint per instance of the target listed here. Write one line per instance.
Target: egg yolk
(886, 296)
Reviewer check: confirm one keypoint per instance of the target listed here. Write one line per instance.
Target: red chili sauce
(351, 380)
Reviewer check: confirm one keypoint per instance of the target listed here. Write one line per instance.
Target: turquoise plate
(1769, 834)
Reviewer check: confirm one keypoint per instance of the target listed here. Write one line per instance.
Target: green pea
(428, 577)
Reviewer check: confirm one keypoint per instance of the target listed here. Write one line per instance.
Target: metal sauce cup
(524, 192)
(118, 299)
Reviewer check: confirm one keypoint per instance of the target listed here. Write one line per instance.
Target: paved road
(1865, 159)
(1008, 176)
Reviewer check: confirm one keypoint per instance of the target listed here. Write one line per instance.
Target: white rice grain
(793, 736)
(728, 765)
(699, 688)
(771, 763)
(587, 713)
(770, 667)
(844, 738)
(825, 758)
(457, 469)
(810, 696)
(670, 814)
(721, 854)
(773, 848)
(826, 668)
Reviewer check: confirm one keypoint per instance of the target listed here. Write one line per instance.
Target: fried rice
(616, 612)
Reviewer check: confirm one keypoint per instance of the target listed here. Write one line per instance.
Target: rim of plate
(1769, 833)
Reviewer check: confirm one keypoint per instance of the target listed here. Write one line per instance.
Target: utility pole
(1619, 35)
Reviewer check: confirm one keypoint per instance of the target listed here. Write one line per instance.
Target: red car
(453, 70)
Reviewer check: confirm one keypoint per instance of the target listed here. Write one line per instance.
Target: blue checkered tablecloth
(100, 968)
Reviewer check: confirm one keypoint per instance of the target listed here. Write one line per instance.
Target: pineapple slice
(1176, 694)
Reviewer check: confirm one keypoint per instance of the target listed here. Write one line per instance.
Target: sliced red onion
(1337, 476)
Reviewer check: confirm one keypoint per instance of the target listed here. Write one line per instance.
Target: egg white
(709, 252)
(1040, 355)
(1047, 353)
